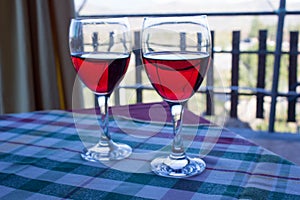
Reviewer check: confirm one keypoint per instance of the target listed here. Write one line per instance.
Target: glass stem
(103, 118)
(178, 150)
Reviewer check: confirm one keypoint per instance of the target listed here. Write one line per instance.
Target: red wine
(101, 72)
(176, 76)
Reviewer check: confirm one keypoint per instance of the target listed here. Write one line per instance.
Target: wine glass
(100, 51)
(176, 56)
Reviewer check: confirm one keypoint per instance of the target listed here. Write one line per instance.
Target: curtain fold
(36, 72)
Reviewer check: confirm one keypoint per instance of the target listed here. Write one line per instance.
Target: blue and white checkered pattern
(40, 158)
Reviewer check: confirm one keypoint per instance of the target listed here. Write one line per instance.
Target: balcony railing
(235, 91)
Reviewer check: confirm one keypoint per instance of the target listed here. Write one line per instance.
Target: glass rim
(200, 16)
(156, 20)
(101, 20)
(92, 18)
(123, 21)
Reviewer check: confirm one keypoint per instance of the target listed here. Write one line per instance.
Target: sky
(98, 7)
(162, 6)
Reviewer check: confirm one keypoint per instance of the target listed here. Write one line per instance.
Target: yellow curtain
(35, 68)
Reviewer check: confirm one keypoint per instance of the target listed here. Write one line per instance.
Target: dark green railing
(234, 90)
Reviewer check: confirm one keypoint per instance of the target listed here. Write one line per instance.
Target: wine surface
(101, 72)
(176, 76)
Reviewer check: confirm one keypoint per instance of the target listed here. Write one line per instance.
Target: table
(40, 159)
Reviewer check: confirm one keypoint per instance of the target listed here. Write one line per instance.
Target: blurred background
(256, 25)
(253, 81)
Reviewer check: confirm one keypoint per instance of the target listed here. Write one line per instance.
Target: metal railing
(234, 90)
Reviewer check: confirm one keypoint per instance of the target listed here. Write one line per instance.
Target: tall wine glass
(100, 50)
(176, 55)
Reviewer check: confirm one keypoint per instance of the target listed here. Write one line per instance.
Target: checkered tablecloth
(40, 159)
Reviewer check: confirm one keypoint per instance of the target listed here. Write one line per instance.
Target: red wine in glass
(100, 50)
(101, 72)
(176, 70)
(176, 76)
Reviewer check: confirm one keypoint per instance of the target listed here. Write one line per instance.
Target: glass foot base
(99, 153)
(177, 168)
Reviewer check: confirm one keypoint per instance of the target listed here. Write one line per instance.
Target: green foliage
(256, 25)
(249, 65)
